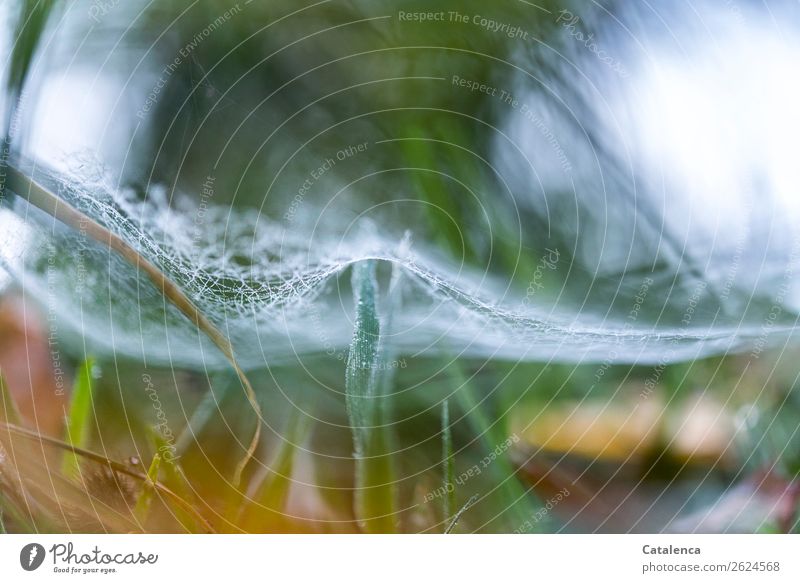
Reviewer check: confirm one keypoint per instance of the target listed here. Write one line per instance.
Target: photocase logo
(31, 556)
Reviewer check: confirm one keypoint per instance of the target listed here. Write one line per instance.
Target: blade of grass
(81, 411)
(270, 490)
(375, 503)
(33, 16)
(515, 500)
(273, 491)
(460, 513)
(9, 412)
(175, 478)
(42, 198)
(209, 404)
(172, 469)
(146, 492)
(432, 187)
(385, 378)
(448, 464)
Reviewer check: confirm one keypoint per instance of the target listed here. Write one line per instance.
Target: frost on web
(631, 253)
(279, 292)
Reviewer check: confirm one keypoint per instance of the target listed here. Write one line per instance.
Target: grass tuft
(81, 412)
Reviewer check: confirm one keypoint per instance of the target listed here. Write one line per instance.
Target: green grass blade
(145, 499)
(33, 17)
(175, 479)
(516, 502)
(32, 21)
(270, 490)
(8, 408)
(81, 410)
(460, 513)
(201, 416)
(448, 464)
(443, 211)
(274, 489)
(375, 496)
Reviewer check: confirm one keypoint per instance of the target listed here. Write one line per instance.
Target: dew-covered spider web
(545, 218)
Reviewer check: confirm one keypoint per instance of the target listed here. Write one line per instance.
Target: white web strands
(286, 298)
(677, 222)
